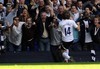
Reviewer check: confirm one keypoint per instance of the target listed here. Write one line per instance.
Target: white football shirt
(66, 28)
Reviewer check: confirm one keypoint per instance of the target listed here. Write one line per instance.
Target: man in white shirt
(15, 34)
(66, 27)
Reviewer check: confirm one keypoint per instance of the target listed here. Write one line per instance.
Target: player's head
(66, 15)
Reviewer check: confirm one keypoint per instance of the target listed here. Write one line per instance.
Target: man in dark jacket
(95, 33)
(28, 35)
(85, 36)
(43, 31)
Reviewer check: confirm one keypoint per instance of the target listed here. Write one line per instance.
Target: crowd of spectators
(33, 25)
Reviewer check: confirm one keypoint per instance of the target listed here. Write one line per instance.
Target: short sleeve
(74, 24)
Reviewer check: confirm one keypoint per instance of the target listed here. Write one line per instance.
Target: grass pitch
(83, 65)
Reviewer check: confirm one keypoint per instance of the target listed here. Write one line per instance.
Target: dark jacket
(82, 30)
(28, 33)
(40, 28)
(95, 38)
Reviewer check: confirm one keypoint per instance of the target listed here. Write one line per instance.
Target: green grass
(75, 65)
(48, 63)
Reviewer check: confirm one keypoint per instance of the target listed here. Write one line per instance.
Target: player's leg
(65, 53)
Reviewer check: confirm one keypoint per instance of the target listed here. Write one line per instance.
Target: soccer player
(66, 27)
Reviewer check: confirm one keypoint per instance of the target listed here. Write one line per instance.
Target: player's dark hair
(66, 15)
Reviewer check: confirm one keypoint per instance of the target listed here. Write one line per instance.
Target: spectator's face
(54, 20)
(87, 10)
(25, 12)
(16, 21)
(68, 2)
(22, 1)
(80, 4)
(41, 3)
(96, 21)
(9, 9)
(60, 9)
(43, 15)
(73, 9)
(47, 8)
(86, 15)
(55, 2)
(1, 6)
(29, 21)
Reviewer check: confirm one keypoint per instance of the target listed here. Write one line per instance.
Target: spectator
(21, 6)
(85, 24)
(28, 35)
(24, 15)
(80, 6)
(43, 31)
(74, 13)
(41, 6)
(15, 35)
(60, 12)
(85, 37)
(49, 11)
(55, 41)
(10, 13)
(96, 7)
(88, 3)
(32, 9)
(68, 4)
(55, 4)
(95, 32)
